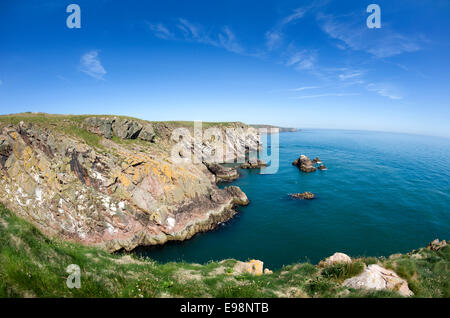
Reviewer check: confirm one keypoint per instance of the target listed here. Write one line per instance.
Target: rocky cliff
(111, 181)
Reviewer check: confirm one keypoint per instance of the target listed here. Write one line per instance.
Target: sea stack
(304, 164)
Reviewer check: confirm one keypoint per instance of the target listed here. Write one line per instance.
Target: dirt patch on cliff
(186, 274)
(127, 259)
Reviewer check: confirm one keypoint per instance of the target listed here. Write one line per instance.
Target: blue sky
(306, 64)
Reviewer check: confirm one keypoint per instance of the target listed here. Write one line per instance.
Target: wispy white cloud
(384, 90)
(350, 75)
(355, 35)
(300, 59)
(228, 41)
(325, 95)
(91, 65)
(296, 15)
(192, 31)
(186, 30)
(299, 89)
(275, 36)
(160, 30)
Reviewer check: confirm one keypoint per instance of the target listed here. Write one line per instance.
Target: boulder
(316, 160)
(336, 258)
(99, 126)
(256, 267)
(304, 195)
(436, 245)
(126, 129)
(304, 164)
(322, 167)
(379, 278)
(253, 267)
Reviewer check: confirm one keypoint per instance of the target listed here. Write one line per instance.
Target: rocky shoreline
(110, 181)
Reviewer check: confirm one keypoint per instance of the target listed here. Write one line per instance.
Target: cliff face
(109, 181)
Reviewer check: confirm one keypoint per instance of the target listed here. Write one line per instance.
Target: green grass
(341, 272)
(72, 126)
(45, 118)
(428, 273)
(33, 265)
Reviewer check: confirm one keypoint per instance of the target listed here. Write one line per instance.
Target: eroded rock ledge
(114, 195)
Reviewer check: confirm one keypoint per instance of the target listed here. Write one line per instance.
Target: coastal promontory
(111, 181)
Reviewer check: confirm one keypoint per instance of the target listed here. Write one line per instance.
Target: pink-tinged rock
(379, 278)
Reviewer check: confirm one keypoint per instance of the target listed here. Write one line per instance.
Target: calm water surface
(382, 193)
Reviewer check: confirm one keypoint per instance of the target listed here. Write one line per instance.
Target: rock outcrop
(436, 245)
(147, 133)
(121, 128)
(126, 129)
(379, 278)
(110, 194)
(304, 164)
(100, 126)
(5, 151)
(304, 196)
(222, 173)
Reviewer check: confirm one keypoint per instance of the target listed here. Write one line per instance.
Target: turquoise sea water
(383, 193)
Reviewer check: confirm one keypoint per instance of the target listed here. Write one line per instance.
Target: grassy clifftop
(73, 125)
(32, 265)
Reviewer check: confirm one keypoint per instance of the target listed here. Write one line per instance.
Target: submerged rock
(379, 278)
(253, 164)
(304, 164)
(304, 195)
(336, 258)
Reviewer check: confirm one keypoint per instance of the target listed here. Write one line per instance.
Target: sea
(383, 193)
